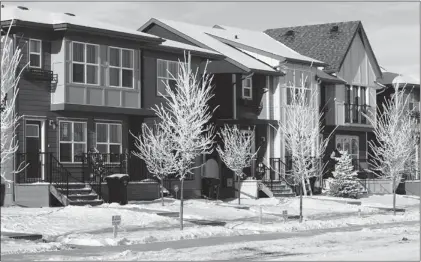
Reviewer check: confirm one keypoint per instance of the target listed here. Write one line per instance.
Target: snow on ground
(91, 226)
(396, 243)
(52, 222)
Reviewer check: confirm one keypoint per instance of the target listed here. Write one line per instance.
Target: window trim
(85, 63)
(120, 67)
(108, 143)
(166, 78)
(35, 53)
(244, 87)
(72, 142)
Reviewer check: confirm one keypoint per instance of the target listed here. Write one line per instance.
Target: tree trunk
(394, 196)
(239, 191)
(301, 206)
(303, 185)
(162, 192)
(181, 204)
(309, 186)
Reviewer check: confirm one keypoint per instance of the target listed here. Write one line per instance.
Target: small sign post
(115, 221)
(176, 191)
(260, 214)
(285, 215)
(359, 212)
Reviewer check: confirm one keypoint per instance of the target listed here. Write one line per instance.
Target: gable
(357, 67)
(157, 30)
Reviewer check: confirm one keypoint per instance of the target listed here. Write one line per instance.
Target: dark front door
(33, 150)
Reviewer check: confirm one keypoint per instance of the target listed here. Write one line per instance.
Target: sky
(393, 28)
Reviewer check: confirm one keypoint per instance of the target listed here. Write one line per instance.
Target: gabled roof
(260, 41)
(322, 42)
(197, 35)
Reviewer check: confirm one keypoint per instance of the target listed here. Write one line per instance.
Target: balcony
(354, 114)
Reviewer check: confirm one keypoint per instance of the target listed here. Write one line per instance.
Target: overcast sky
(393, 28)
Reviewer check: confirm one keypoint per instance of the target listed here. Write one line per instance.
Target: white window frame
(247, 87)
(108, 143)
(166, 78)
(121, 67)
(85, 63)
(35, 53)
(339, 139)
(72, 142)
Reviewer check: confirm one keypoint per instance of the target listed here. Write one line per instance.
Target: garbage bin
(117, 188)
(3, 192)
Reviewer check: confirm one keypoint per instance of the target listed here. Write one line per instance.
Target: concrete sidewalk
(84, 251)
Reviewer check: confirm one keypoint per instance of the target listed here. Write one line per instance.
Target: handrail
(62, 180)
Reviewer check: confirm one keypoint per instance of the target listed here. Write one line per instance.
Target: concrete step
(76, 197)
(283, 194)
(74, 185)
(86, 202)
(74, 191)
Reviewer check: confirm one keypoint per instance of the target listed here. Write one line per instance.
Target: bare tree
(236, 152)
(10, 76)
(155, 147)
(301, 130)
(395, 131)
(185, 118)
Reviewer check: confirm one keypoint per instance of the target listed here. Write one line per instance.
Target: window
(355, 104)
(121, 67)
(72, 137)
(35, 53)
(167, 72)
(296, 81)
(294, 92)
(85, 63)
(248, 133)
(108, 139)
(349, 144)
(247, 92)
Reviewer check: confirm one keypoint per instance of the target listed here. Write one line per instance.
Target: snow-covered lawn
(140, 223)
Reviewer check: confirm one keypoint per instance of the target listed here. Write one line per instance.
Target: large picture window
(165, 69)
(72, 139)
(35, 53)
(121, 67)
(296, 81)
(108, 139)
(85, 63)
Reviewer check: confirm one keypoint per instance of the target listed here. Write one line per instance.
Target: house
(412, 89)
(254, 62)
(349, 82)
(87, 84)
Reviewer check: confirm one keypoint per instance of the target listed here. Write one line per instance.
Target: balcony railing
(354, 113)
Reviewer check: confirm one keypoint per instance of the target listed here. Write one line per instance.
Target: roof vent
(290, 33)
(2, 6)
(69, 14)
(23, 8)
(334, 28)
(236, 36)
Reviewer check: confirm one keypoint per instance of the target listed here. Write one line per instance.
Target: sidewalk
(84, 251)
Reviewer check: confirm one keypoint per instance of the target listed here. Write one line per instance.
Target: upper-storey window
(167, 71)
(247, 90)
(85, 63)
(298, 81)
(355, 104)
(35, 53)
(121, 67)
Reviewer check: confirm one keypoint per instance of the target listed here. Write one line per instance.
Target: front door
(33, 149)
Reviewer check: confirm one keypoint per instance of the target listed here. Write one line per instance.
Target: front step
(76, 197)
(279, 189)
(96, 202)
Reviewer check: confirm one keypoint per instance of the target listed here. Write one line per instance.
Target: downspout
(15, 128)
(234, 96)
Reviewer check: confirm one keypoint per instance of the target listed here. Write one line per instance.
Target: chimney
(236, 37)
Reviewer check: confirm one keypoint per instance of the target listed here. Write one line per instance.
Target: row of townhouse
(89, 84)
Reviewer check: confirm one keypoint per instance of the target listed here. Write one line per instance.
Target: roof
(197, 35)
(390, 78)
(9, 13)
(261, 41)
(328, 78)
(194, 49)
(318, 42)
(13, 13)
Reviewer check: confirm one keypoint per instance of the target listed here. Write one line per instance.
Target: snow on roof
(179, 45)
(47, 17)
(258, 40)
(197, 34)
(395, 78)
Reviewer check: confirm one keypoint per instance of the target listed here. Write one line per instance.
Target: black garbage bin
(3, 192)
(117, 188)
